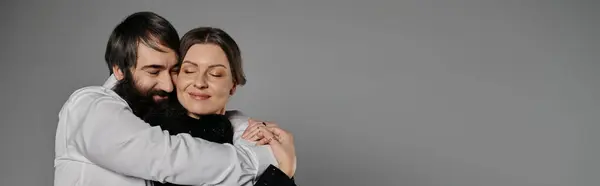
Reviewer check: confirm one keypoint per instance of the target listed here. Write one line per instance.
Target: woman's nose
(200, 82)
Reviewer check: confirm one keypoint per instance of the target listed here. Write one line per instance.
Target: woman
(205, 79)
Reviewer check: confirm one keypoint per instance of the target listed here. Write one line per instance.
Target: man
(100, 139)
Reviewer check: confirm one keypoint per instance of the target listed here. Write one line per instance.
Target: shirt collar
(110, 82)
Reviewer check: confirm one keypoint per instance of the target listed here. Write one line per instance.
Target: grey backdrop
(416, 93)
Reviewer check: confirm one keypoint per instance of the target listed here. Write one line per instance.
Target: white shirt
(100, 142)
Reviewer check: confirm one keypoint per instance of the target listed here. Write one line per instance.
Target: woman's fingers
(252, 127)
(264, 132)
(280, 134)
(253, 131)
(265, 139)
(248, 130)
(266, 135)
(256, 137)
(263, 136)
(260, 134)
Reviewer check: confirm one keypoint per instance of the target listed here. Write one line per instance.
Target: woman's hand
(281, 142)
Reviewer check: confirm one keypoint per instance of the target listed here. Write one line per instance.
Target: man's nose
(165, 83)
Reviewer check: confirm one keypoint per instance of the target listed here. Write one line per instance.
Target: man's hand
(281, 142)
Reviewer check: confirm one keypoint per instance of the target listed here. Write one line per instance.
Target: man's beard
(141, 103)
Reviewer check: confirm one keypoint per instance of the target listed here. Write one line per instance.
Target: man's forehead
(148, 56)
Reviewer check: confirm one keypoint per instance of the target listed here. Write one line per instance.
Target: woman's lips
(199, 96)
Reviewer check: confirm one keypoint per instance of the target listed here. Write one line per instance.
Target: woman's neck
(197, 116)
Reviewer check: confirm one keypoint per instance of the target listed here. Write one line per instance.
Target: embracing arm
(112, 137)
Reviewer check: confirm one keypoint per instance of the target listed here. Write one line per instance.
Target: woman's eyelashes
(213, 73)
(216, 74)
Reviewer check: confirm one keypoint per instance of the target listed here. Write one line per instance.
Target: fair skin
(205, 82)
(151, 71)
(204, 85)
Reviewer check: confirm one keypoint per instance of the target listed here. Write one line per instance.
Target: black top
(215, 128)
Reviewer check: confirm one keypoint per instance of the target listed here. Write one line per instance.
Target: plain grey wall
(419, 93)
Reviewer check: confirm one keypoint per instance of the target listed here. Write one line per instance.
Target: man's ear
(118, 73)
(232, 91)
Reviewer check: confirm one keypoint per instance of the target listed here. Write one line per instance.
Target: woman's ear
(232, 91)
(118, 73)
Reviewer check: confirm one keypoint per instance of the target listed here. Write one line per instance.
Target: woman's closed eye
(189, 71)
(216, 74)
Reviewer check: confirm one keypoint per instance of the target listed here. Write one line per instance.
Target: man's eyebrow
(154, 66)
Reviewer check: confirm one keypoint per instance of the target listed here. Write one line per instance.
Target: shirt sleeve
(263, 153)
(112, 137)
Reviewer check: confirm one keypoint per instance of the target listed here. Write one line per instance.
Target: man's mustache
(160, 93)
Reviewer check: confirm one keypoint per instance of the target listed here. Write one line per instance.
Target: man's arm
(112, 137)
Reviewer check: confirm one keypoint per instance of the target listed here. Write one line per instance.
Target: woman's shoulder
(238, 119)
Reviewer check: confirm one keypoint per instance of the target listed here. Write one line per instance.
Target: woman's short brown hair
(216, 36)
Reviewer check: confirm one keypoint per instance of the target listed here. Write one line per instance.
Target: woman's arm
(274, 176)
(261, 154)
(281, 142)
(280, 166)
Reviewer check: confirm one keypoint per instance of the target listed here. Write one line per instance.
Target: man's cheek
(144, 91)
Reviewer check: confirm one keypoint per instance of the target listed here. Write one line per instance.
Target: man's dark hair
(139, 28)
